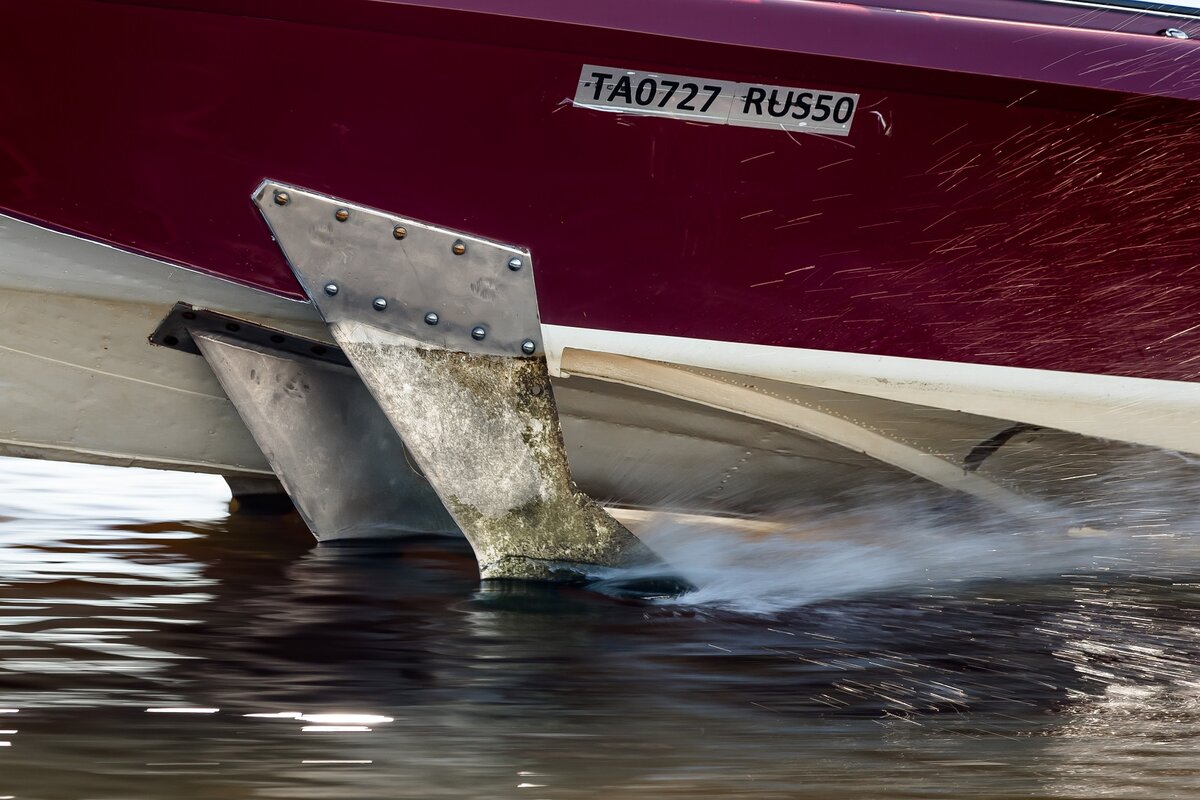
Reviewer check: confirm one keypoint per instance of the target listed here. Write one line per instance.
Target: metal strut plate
(331, 446)
(333, 449)
(443, 327)
(437, 286)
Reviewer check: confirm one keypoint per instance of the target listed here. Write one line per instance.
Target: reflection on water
(222, 657)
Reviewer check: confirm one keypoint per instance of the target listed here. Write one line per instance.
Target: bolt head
(282, 198)
(478, 333)
(331, 289)
(342, 214)
(459, 247)
(399, 232)
(432, 318)
(379, 303)
(515, 263)
(528, 346)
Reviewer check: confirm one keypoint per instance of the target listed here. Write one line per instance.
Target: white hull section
(78, 379)
(1154, 413)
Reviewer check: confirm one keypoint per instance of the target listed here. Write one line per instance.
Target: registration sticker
(748, 105)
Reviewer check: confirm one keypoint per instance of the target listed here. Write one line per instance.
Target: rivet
(399, 232)
(432, 318)
(331, 289)
(515, 263)
(528, 346)
(282, 198)
(380, 304)
(478, 333)
(458, 249)
(1174, 33)
(342, 214)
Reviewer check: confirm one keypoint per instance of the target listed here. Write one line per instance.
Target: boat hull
(646, 423)
(1000, 199)
(738, 319)
(79, 381)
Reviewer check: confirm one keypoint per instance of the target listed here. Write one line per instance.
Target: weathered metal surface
(485, 431)
(430, 284)
(333, 450)
(443, 329)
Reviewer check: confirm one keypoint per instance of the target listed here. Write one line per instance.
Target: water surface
(152, 646)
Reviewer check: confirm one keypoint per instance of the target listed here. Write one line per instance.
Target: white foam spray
(886, 544)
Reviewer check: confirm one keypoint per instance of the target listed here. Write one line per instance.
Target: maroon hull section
(989, 218)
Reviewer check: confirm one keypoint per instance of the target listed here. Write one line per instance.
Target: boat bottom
(80, 382)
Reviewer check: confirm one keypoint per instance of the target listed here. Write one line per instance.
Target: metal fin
(333, 450)
(443, 329)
